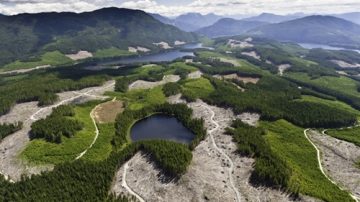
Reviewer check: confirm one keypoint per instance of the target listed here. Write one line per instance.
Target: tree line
(8, 129)
(57, 125)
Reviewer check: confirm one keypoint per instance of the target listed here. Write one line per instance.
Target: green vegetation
(171, 89)
(331, 103)
(112, 52)
(102, 147)
(41, 151)
(274, 99)
(53, 58)
(269, 169)
(137, 99)
(196, 88)
(25, 36)
(43, 86)
(347, 134)
(8, 129)
(174, 158)
(290, 145)
(57, 125)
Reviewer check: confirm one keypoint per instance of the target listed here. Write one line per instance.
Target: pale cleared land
(239, 78)
(252, 54)
(141, 84)
(13, 167)
(344, 64)
(80, 55)
(107, 112)
(282, 68)
(338, 158)
(209, 176)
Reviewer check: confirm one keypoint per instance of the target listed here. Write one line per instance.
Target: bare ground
(107, 112)
(252, 54)
(195, 75)
(10, 165)
(80, 55)
(244, 79)
(338, 159)
(163, 45)
(240, 44)
(207, 178)
(344, 64)
(282, 68)
(141, 84)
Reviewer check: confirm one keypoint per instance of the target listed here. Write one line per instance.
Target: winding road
(321, 167)
(231, 168)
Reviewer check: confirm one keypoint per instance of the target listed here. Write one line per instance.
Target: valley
(123, 106)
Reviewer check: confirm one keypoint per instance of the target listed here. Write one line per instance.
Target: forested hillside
(26, 35)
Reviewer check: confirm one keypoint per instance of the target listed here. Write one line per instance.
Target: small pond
(161, 127)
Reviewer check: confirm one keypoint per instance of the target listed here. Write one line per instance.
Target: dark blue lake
(161, 127)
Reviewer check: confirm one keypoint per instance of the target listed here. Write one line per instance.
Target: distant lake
(161, 127)
(326, 47)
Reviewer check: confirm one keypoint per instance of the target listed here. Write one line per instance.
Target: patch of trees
(8, 129)
(182, 72)
(173, 158)
(42, 87)
(274, 98)
(170, 89)
(122, 84)
(324, 57)
(269, 169)
(58, 124)
(349, 99)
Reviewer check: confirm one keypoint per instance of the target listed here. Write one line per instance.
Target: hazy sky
(176, 7)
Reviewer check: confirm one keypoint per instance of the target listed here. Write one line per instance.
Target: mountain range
(26, 35)
(229, 27)
(327, 30)
(190, 21)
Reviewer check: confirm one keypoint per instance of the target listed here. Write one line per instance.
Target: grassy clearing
(180, 65)
(102, 147)
(42, 152)
(137, 99)
(112, 52)
(349, 134)
(290, 144)
(50, 58)
(330, 103)
(340, 84)
(197, 88)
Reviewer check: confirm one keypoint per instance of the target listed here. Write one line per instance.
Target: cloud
(176, 7)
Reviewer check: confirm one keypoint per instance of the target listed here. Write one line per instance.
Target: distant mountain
(229, 27)
(26, 35)
(190, 21)
(314, 29)
(353, 17)
(272, 18)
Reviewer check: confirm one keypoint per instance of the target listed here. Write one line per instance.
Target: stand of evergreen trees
(7, 129)
(269, 169)
(275, 98)
(58, 124)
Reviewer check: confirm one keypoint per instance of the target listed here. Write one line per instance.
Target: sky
(177, 7)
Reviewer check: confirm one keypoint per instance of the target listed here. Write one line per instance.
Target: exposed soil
(141, 84)
(338, 159)
(209, 177)
(344, 64)
(80, 55)
(13, 167)
(244, 79)
(138, 49)
(240, 44)
(163, 45)
(195, 75)
(179, 43)
(252, 54)
(251, 119)
(107, 112)
(282, 68)
(231, 61)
